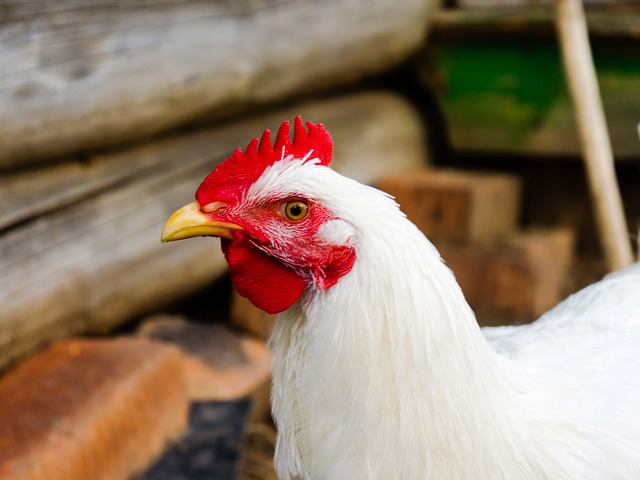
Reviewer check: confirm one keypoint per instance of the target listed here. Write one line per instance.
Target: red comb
(238, 172)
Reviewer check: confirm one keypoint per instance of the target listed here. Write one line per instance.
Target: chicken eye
(295, 210)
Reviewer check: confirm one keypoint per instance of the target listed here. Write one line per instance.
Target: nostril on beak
(214, 207)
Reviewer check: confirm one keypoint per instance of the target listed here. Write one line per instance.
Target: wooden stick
(592, 129)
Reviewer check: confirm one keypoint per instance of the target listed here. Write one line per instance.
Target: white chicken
(380, 369)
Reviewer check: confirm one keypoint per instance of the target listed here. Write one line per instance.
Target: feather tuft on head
(236, 174)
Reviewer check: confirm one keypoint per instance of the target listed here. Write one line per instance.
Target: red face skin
(274, 259)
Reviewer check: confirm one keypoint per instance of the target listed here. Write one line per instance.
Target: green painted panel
(511, 97)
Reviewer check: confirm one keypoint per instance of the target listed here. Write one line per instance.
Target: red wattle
(266, 282)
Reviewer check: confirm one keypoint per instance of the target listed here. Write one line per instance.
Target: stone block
(90, 409)
(218, 363)
(457, 205)
(514, 279)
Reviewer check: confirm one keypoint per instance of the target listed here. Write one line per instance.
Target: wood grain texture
(79, 75)
(88, 261)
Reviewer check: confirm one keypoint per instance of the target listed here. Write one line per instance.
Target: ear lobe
(265, 281)
(336, 265)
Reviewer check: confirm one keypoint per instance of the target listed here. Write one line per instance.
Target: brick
(457, 205)
(90, 409)
(217, 363)
(250, 318)
(514, 279)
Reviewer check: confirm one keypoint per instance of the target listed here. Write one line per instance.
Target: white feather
(386, 375)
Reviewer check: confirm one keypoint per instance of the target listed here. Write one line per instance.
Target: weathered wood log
(95, 260)
(35, 192)
(79, 75)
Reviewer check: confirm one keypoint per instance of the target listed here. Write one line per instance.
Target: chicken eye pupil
(296, 210)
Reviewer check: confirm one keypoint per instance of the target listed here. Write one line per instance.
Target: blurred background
(113, 111)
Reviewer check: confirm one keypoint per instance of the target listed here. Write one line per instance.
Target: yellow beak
(190, 221)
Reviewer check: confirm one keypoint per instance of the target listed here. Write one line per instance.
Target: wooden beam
(531, 21)
(593, 133)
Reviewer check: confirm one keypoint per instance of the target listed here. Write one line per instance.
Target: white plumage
(386, 375)
(380, 369)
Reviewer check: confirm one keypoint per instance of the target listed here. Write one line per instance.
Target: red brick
(90, 409)
(457, 205)
(218, 363)
(513, 279)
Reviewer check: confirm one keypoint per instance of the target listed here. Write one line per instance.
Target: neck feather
(392, 360)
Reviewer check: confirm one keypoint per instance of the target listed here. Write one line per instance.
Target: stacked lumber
(92, 258)
(92, 162)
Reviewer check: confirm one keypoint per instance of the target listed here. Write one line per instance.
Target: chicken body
(387, 375)
(383, 373)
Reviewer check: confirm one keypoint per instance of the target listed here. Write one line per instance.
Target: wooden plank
(484, 20)
(79, 75)
(98, 261)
